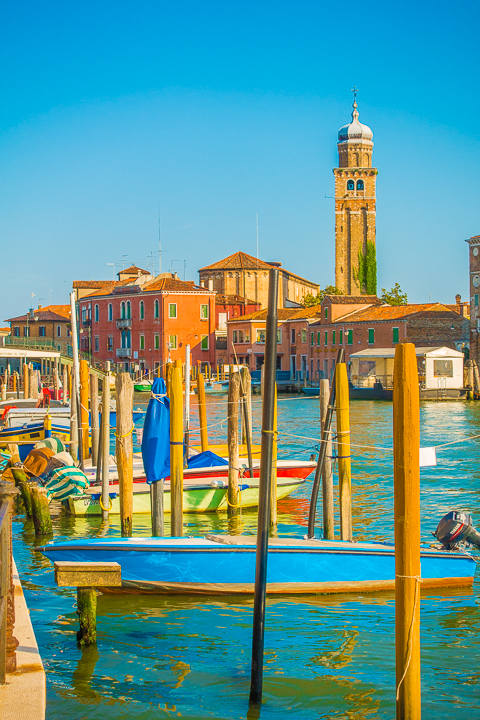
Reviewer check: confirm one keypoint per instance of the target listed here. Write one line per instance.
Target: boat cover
(205, 460)
(156, 434)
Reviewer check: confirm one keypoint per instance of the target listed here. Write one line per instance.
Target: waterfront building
(355, 207)
(44, 327)
(357, 326)
(474, 268)
(246, 339)
(228, 307)
(132, 274)
(139, 326)
(246, 276)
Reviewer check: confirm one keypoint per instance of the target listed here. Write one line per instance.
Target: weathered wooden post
(86, 577)
(94, 416)
(274, 499)
(327, 473)
(343, 454)
(73, 419)
(42, 520)
(406, 474)
(33, 388)
(124, 449)
(176, 452)
(106, 443)
(84, 407)
(14, 382)
(233, 495)
(187, 403)
(246, 385)
(246, 390)
(202, 412)
(65, 385)
(168, 376)
(26, 379)
(8, 642)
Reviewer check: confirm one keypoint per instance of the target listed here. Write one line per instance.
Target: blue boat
(225, 564)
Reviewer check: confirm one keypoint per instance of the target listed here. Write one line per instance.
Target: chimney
(274, 263)
(210, 284)
(458, 299)
(202, 283)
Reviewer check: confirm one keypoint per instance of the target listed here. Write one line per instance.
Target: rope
(103, 506)
(128, 433)
(239, 499)
(418, 580)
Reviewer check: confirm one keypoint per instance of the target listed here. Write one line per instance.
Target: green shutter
(350, 337)
(333, 337)
(371, 336)
(395, 335)
(326, 337)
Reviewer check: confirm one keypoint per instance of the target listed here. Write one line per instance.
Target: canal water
(325, 656)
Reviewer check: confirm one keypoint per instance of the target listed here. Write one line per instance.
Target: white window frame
(202, 306)
(202, 338)
(170, 306)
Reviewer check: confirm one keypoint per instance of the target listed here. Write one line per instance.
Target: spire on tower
(354, 90)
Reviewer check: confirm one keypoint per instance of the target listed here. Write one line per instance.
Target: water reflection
(326, 656)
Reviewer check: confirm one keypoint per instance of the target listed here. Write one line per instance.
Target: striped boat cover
(53, 443)
(4, 458)
(66, 481)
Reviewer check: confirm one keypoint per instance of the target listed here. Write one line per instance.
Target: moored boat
(223, 564)
(199, 495)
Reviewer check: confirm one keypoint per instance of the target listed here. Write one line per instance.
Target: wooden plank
(87, 574)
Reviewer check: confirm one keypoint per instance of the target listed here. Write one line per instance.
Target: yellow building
(246, 276)
(355, 179)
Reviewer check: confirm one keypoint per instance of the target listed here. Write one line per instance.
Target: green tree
(311, 300)
(395, 296)
(366, 276)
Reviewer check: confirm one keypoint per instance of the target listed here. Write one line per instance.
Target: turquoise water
(325, 657)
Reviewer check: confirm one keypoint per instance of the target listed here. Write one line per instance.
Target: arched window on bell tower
(360, 185)
(350, 185)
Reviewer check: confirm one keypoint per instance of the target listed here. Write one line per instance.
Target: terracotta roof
(283, 314)
(393, 312)
(306, 313)
(93, 283)
(354, 299)
(41, 315)
(234, 300)
(238, 261)
(133, 269)
(59, 309)
(171, 285)
(107, 288)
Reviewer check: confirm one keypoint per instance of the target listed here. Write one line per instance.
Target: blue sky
(217, 111)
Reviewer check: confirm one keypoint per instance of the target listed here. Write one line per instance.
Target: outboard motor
(456, 527)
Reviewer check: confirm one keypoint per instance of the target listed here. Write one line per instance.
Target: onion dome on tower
(354, 131)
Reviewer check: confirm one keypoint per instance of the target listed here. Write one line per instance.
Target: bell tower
(355, 180)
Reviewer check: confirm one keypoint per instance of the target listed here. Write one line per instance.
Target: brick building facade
(50, 324)
(355, 207)
(244, 275)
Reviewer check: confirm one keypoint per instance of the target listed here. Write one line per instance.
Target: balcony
(124, 352)
(38, 343)
(123, 323)
(87, 322)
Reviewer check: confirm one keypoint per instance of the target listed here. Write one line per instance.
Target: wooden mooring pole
(26, 380)
(94, 418)
(105, 443)
(176, 452)
(233, 497)
(343, 452)
(327, 474)
(406, 474)
(202, 412)
(266, 463)
(84, 424)
(124, 449)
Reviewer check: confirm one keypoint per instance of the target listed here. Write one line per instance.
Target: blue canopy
(205, 460)
(156, 434)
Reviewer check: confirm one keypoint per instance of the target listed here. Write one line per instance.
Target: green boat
(145, 386)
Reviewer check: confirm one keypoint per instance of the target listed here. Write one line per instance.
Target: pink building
(139, 326)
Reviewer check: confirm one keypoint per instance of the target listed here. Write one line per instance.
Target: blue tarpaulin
(205, 460)
(156, 434)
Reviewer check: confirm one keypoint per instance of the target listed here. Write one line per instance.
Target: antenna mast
(257, 239)
(159, 242)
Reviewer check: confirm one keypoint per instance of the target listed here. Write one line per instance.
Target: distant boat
(311, 391)
(144, 386)
(215, 386)
(225, 564)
